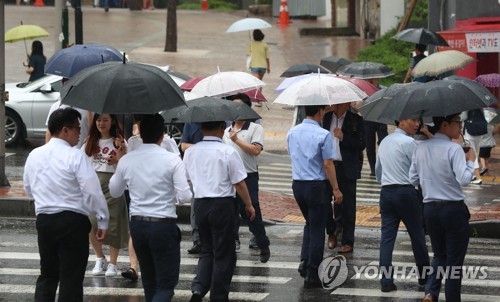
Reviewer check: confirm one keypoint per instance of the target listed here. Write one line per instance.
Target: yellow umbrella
(23, 32)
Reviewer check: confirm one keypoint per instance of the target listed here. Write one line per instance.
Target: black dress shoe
(265, 254)
(312, 283)
(253, 244)
(196, 297)
(303, 268)
(388, 288)
(422, 282)
(195, 249)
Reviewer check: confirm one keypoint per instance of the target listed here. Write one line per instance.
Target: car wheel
(175, 132)
(13, 128)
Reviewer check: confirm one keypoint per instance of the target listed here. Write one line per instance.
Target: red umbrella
(256, 95)
(189, 84)
(366, 86)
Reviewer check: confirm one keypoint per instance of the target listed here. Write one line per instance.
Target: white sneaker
(476, 181)
(111, 271)
(100, 267)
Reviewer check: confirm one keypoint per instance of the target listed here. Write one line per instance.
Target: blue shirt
(309, 145)
(191, 133)
(394, 158)
(439, 166)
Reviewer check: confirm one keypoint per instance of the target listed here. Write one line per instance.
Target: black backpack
(476, 124)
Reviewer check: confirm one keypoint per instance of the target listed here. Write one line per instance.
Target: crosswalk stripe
(184, 261)
(489, 269)
(184, 277)
(469, 247)
(364, 292)
(465, 282)
(114, 291)
(467, 256)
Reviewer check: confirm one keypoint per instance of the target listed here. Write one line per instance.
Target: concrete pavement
(203, 46)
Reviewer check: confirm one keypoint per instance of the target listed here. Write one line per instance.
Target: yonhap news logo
(333, 272)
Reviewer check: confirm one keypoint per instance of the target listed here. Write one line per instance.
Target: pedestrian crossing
(277, 178)
(276, 280)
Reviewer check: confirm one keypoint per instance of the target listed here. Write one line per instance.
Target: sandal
(130, 274)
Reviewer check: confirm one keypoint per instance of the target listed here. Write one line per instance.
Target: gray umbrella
(116, 87)
(209, 109)
(299, 69)
(333, 63)
(421, 36)
(365, 70)
(420, 100)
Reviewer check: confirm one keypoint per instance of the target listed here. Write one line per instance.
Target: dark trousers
(448, 226)
(257, 225)
(157, 245)
(345, 213)
(401, 204)
(373, 130)
(313, 198)
(216, 220)
(63, 243)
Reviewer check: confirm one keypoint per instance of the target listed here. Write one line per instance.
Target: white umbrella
(248, 24)
(320, 90)
(225, 83)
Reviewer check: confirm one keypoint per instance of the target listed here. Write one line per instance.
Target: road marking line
(489, 269)
(363, 292)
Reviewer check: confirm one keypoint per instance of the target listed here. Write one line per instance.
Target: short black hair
(439, 120)
(241, 96)
(421, 47)
(313, 109)
(151, 128)
(211, 126)
(258, 35)
(62, 117)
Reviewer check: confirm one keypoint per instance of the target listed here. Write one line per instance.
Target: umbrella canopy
(365, 86)
(320, 89)
(189, 84)
(209, 109)
(365, 70)
(490, 80)
(248, 24)
(421, 36)
(299, 69)
(420, 100)
(23, 32)
(225, 83)
(256, 95)
(116, 88)
(333, 63)
(69, 61)
(441, 62)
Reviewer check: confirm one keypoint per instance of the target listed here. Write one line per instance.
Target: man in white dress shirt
(217, 173)
(155, 178)
(442, 168)
(66, 190)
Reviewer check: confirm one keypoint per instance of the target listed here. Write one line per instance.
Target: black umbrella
(299, 69)
(116, 87)
(209, 109)
(421, 36)
(365, 70)
(333, 63)
(420, 100)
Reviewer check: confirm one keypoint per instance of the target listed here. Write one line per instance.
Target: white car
(29, 103)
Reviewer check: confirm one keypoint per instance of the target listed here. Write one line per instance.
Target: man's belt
(154, 219)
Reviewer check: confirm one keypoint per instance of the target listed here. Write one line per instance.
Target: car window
(56, 86)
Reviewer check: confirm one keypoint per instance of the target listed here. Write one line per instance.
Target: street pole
(78, 22)
(3, 179)
(58, 9)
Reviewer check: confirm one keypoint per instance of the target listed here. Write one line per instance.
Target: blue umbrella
(69, 61)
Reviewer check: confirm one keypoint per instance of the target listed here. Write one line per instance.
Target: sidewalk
(203, 46)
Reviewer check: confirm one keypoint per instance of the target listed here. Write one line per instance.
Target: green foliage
(219, 5)
(394, 53)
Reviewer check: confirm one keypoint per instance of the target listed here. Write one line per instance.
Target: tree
(171, 39)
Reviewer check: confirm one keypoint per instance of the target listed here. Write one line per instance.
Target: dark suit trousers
(372, 131)
(63, 243)
(313, 198)
(345, 213)
(216, 222)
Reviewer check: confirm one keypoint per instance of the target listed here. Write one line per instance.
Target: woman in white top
(104, 146)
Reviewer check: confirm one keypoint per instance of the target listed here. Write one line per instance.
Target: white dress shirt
(394, 158)
(84, 121)
(61, 178)
(168, 143)
(154, 178)
(439, 166)
(337, 122)
(214, 167)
